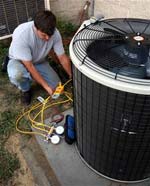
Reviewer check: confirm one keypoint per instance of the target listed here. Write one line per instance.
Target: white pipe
(47, 4)
(5, 37)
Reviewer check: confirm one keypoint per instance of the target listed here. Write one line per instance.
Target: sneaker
(26, 97)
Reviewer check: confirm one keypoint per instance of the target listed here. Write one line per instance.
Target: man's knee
(16, 70)
(16, 74)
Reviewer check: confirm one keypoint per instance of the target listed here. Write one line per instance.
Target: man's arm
(65, 62)
(37, 77)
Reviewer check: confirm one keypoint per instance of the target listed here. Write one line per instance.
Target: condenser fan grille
(101, 52)
(120, 46)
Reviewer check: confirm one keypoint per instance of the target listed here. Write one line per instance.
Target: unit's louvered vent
(13, 13)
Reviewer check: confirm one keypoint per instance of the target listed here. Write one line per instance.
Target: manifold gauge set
(55, 133)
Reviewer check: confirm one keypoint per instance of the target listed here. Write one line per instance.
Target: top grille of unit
(120, 46)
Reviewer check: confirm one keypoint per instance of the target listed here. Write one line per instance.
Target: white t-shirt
(27, 46)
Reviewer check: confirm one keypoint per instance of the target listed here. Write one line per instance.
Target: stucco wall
(67, 9)
(71, 9)
(123, 8)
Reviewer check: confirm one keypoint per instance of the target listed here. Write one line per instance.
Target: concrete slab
(42, 173)
(68, 167)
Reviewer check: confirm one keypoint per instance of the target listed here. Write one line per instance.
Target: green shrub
(67, 29)
(3, 52)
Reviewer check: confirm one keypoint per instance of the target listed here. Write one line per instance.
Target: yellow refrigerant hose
(39, 126)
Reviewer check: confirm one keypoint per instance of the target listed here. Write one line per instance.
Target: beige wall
(67, 9)
(71, 9)
(123, 8)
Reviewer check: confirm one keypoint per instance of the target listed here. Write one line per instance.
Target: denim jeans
(20, 77)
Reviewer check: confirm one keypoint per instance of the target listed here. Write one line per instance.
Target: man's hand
(50, 90)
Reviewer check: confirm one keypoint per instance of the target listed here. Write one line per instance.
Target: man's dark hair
(45, 21)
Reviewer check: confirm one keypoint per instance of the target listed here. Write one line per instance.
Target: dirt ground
(34, 169)
(10, 103)
(23, 176)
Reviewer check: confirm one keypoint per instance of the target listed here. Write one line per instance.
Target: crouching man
(31, 43)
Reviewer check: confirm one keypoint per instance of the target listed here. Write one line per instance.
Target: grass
(8, 164)
(7, 120)
(10, 107)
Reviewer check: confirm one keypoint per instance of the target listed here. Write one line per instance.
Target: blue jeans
(20, 77)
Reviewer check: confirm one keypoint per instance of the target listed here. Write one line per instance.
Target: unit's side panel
(21, 11)
(113, 129)
(10, 14)
(13, 13)
(3, 21)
